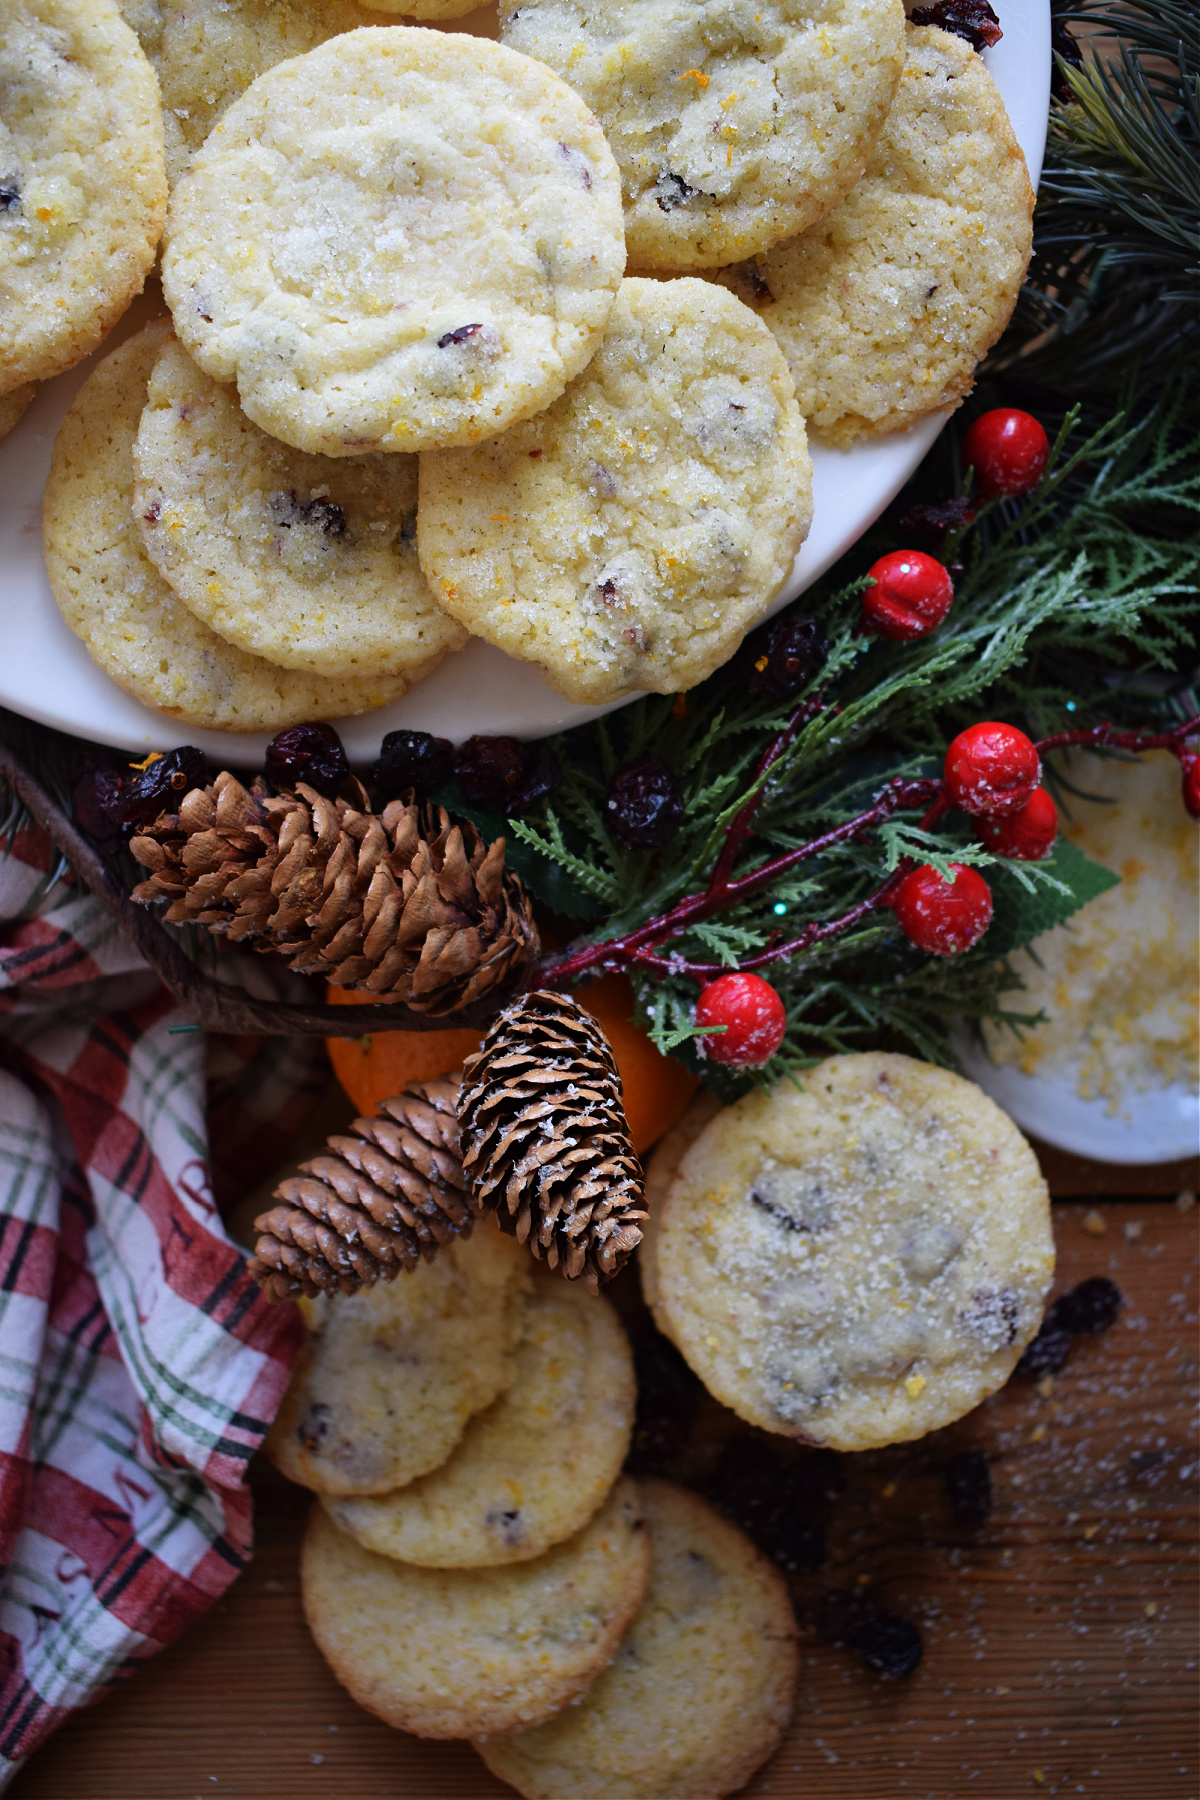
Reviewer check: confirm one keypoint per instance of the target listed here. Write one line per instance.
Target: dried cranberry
(781, 1501)
(1046, 1355)
(929, 523)
(973, 20)
(644, 804)
(160, 787)
(782, 656)
(1062, 43)
(312, 754)
(506, 775)
(888, 1644)
(968, 1482)
(1091, 1307)
(667, 1396)
(96, 799)
(411, 759)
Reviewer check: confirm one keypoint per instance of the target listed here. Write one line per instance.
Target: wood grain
(1060, 1637)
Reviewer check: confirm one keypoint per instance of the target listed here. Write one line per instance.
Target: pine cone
(372, 1203)
(545, 1141)
(402, 903)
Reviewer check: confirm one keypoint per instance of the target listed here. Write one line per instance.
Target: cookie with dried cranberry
(733, 126)
(309, 561)
(82, 181)
(15, 405)
(885, 307)
(402, 238)
(533, 1468)
(207, 52)
(700, 1691)
(112, 596)
(384, 1389)
(631, 534)
(857, 1260)
(449, 1653)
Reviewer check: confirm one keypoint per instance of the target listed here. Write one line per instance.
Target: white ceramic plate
(1161, 1125)
(46, 674)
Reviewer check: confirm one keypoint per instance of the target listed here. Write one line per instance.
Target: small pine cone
(545, 1139)
(372, 1204)
(402, 903)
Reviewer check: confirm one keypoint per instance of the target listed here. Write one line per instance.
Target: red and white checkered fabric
(139, 1365)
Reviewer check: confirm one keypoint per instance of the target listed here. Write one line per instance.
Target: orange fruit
(378, 1064)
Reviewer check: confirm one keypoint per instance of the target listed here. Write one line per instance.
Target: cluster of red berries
(910, 592)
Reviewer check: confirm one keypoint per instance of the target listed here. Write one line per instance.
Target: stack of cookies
(477, 1566)
(410, 395)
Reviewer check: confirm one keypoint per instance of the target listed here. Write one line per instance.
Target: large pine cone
(545, 1141)
(380, 1196)
(402, 903)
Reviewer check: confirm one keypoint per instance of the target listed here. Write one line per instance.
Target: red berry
(751, 1012)
(943, 917)
(991, 768)
(911, 595)
(1190, 766)
(1026, 835)
(1007, 450)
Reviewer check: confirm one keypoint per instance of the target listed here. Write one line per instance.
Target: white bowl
(46, 674)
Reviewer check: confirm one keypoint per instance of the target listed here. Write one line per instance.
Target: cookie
(701, 1689)
(661, 1171)
(885, 307)
(403, 238)
(859, 1260)
(449, 1653)
(15, 405)
(533, 1468)
(732, 126)
(207, 52)
(112, 596)
(424, 9)
(383, 1392)
(82, 181)
(310, 561)
(631, 534)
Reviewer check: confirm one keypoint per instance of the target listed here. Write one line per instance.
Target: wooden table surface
(1060, 1636)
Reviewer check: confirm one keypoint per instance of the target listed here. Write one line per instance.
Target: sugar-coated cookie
(424, 9)
(449, 1653)
(733, 126)
(384, 1390)
(533, 1468)
(14, 406)
(83, 185)
(112, 596)
(310, 561)
(630, 535)
(701, 1689)
(403, 238)
(859, 1260)
(207, 52)
(885, 307)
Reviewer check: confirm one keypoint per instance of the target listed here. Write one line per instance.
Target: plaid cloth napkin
(139, 1366)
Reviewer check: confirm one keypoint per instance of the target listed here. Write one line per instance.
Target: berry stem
(636, 949)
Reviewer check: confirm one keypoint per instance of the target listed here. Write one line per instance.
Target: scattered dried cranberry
(783, 655)
(781, 1501)
(1046, 1355)
(1008, 451)
(970, 19)
(991, 768)
(96, 798)
(312, 754)
(505, 775)
(943, 917)
(1091, 1307)
(411, 759)
(644, 804)
(968, 1481)
(160, 787)
(1062, 43)
(667, 1396)
(1025, 836)
(886, 1642)
(930, 522)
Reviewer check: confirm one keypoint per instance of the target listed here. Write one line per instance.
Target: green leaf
(548, 878)
(1021, 915)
